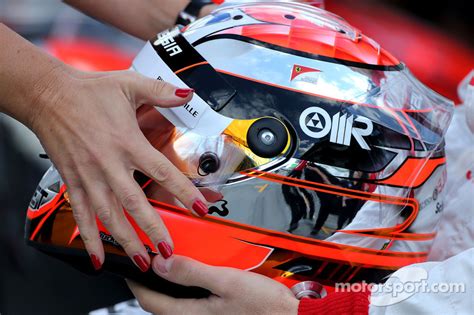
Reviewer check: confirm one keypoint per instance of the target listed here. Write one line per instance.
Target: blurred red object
(87, 54)
(436, 58)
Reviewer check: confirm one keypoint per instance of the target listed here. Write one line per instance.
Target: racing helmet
(328, 153)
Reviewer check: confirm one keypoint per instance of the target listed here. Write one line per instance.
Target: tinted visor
(208, 160)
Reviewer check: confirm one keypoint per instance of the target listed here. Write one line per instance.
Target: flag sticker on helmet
(317, 123)
(304, 74)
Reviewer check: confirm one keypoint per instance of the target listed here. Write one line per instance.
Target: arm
(21, 85)
(234, 291)
(140, 18)
(87, 124)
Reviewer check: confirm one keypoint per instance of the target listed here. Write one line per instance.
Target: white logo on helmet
(316, 123)
(166, 39)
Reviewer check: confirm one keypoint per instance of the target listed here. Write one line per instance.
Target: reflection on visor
(205, 160)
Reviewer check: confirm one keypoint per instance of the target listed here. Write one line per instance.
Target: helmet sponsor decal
(164, 58)
(166, 39)
(316, 123)
(304, 74)
(220, 208)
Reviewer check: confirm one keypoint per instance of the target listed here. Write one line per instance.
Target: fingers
(110, 213)
(189, 272)
(87, 225)
(155, 92)
(155, 165)
(211, 195)
(158, 303)
(152, 301)
(136, 204)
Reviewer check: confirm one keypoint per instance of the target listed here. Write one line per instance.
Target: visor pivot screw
(267, 137)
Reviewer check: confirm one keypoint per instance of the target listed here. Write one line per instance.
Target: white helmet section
(456, 233)
(466, 94)
(197, 114)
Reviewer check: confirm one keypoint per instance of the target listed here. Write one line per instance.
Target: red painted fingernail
(95, 262)
(165, 249)
(141, 263)
(183, 93)
(200, 208)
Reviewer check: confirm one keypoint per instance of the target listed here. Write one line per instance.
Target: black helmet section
(367, 153)
(267, 137)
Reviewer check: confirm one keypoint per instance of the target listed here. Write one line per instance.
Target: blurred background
(435, 39)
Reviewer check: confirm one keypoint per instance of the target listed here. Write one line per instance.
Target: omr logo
(316, 123)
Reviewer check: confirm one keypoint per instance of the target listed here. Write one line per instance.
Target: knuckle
(131, 201)
(104, 214)
(155, 231)
(79, 215)
(184, 192)
(74, 186)
(160, 172)
(158, 87)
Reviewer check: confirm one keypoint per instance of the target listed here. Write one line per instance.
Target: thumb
(189, 272)
(156, 92)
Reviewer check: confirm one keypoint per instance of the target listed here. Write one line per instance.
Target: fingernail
(200, 208)
(141, 263)
(183, 93)
(161, 265)
(165, 249)
(95, 262)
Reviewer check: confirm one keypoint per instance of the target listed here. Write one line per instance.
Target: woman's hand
(234, 291)
(88, 127)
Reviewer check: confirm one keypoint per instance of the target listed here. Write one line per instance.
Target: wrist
(26, 74)
(47, 92)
